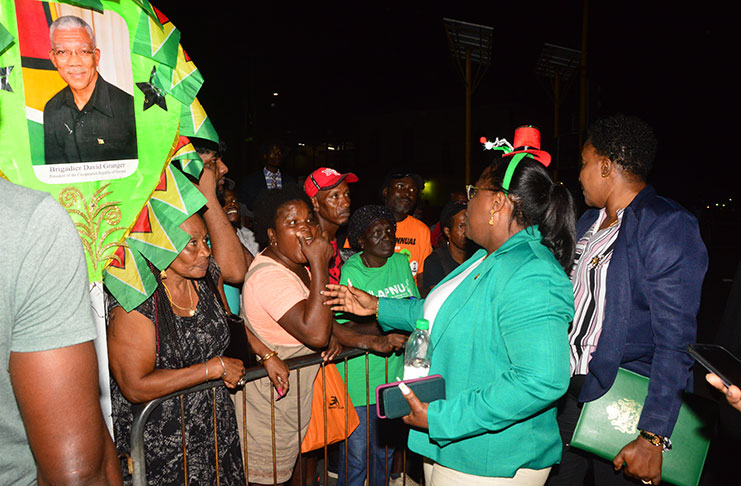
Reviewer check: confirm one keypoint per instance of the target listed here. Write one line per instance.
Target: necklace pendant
(192, 312)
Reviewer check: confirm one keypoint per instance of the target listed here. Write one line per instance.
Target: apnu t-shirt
(393, 280)
(413, 240)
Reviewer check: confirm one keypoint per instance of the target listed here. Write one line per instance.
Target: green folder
(608, 423)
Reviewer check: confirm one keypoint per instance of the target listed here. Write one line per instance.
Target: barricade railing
(143, 411)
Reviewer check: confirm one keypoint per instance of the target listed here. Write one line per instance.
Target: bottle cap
(423, 324)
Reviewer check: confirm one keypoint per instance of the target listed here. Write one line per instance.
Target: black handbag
(239, 346)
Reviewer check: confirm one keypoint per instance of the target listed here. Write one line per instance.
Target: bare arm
(309, 320)
(131, 350)
(62, 415)
(225, 245)
(367, 336)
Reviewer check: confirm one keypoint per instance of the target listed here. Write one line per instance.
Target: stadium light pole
(469, 44)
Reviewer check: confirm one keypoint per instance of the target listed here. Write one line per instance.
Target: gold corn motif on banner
(121, 178)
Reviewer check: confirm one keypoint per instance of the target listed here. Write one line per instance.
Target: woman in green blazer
(499, 327)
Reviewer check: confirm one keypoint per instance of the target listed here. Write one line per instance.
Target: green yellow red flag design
(127, 208)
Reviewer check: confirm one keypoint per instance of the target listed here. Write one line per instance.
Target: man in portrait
(90, 119)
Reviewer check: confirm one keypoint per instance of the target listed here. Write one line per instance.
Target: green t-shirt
(44, 303)
(393, 280)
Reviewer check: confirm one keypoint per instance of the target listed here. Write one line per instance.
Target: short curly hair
(267, 206)
(361, 220)
(625, 140)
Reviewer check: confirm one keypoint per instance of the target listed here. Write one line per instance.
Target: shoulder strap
(242, 313)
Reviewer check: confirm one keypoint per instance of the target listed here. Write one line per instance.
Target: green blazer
(500, 340)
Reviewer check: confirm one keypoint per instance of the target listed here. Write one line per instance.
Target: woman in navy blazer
(499, 334)
(654, 262)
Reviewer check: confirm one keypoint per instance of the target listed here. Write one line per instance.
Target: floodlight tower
(469, 44)
(558, 64)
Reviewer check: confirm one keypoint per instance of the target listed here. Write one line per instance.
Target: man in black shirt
(90, 119)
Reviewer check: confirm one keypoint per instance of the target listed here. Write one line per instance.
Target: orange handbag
(337, 411)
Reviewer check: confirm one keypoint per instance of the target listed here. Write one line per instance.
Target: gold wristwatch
(656, 440)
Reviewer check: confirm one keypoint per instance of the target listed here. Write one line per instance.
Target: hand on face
(317, 250)
(296, 236)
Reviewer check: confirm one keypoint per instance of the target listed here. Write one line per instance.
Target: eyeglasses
(65, 54)
(471, 191)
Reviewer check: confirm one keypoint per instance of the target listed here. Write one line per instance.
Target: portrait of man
(90, 119)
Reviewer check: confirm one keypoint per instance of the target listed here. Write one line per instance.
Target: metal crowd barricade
(143, 411)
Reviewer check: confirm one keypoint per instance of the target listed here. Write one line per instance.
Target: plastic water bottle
(418, 352)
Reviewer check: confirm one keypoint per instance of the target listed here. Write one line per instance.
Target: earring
(163, 274)
(491, 217)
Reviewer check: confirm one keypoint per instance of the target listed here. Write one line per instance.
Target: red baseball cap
(325, 178)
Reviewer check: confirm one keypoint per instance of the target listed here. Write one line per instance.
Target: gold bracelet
(266, 357)
(378, 304)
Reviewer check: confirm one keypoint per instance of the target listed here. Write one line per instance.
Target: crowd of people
(531, 314)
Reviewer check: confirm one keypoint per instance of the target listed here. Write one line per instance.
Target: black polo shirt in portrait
(105, 129)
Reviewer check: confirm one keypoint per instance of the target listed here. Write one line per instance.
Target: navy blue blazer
(652, 298)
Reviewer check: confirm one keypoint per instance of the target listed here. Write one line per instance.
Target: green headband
(511, 170)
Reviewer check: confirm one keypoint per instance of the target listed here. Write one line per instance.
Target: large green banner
(97, 101)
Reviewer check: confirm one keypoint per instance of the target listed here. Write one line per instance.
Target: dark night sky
(333, 62)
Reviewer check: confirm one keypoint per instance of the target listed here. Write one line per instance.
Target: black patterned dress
(199, 338)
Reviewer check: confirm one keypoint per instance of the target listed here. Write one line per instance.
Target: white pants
(437, 475)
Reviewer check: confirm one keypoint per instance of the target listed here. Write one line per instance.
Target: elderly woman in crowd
(282, 304)
(175, 340)
(499, 327)
(381, 272)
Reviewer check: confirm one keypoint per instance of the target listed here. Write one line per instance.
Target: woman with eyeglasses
(499, 327)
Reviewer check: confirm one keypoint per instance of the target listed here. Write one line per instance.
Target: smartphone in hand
(718, 360)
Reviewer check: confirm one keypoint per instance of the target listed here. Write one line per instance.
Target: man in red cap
(330, 195)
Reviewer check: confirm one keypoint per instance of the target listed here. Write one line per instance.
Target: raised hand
(349, 299)
(316, 249)
(209, 178)
(732, 393)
